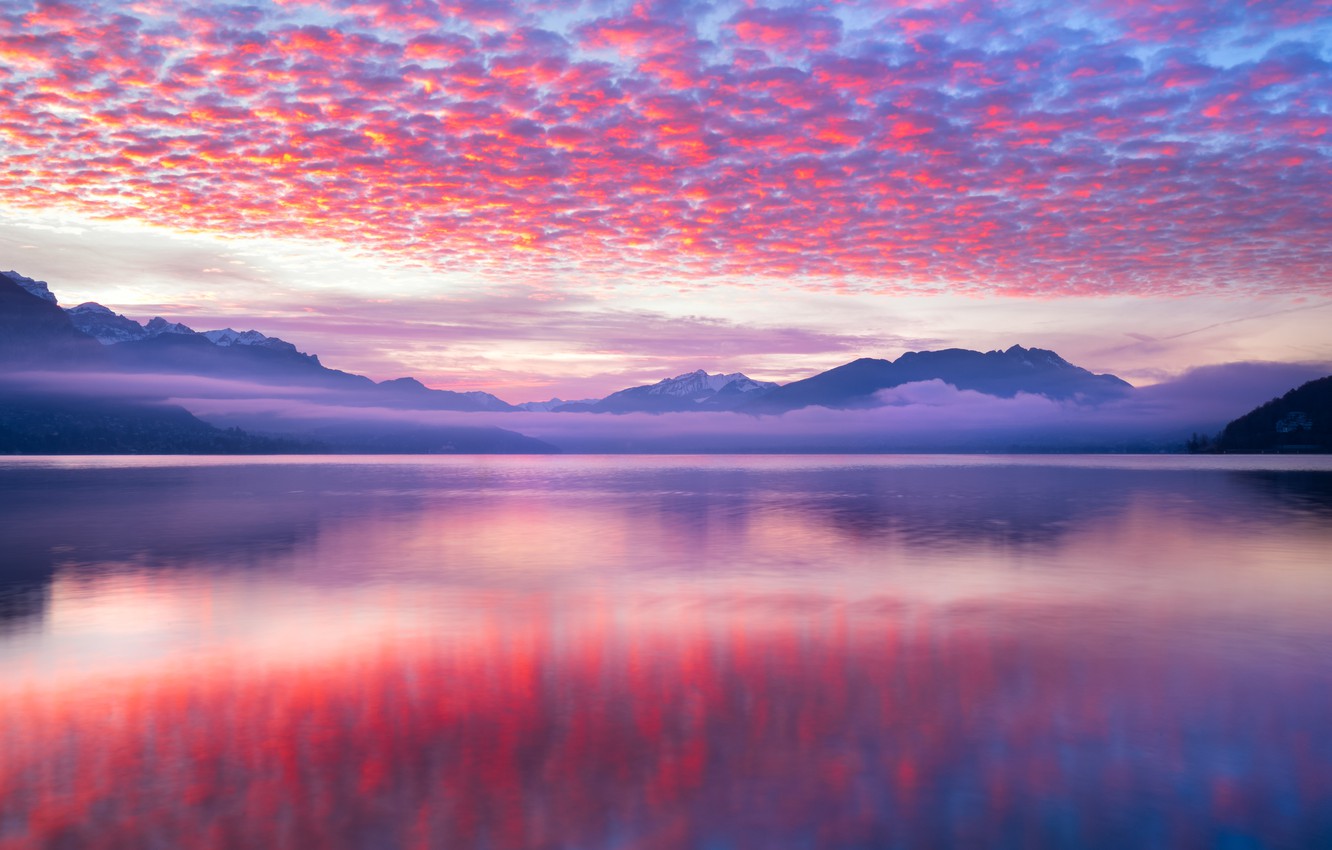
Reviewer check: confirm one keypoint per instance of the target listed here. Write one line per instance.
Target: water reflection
(598, 653)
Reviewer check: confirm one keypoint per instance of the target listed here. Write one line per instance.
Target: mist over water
(597, 652)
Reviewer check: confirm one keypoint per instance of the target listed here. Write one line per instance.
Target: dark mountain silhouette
(40, 288)
(281, 364)
(411, 394)
(1299, 421)
(165, 347)
(34, 332)
(997, 373)
(195, 354)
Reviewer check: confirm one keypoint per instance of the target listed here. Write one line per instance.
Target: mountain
(111, 328)
(158, 326)
(998, 373)
(691, 391)
(1299, 421)
(34, 332)
(170, 347)
(39, 288)
(104, 325)
(165, 347)
(228, 337)
(43, 347)
(37, 336)
(120, 381)
(412, 394)
(555, 404)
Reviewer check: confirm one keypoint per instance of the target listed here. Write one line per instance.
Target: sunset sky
(558, 198)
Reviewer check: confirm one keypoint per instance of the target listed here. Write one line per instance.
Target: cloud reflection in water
(578, 653)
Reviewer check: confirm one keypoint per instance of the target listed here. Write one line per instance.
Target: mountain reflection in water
(665, 653)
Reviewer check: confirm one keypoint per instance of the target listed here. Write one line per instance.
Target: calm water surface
(598, 652)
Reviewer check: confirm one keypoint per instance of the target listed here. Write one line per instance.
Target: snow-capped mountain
(227, 337)
(691, 391)
(158, 326)
(40, 288)
(103, 324)
(700, 384)
(111, 328)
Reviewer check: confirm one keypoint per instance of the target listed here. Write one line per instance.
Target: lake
(666, 652)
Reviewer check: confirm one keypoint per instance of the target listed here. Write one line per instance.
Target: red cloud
(996, 149)
(786, 30)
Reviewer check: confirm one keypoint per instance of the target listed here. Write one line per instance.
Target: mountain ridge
(690, 391)
(999, 373)
(174, 347)
(39, 341)
(1025, 399)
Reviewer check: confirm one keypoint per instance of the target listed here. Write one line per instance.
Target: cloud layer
(970, 146)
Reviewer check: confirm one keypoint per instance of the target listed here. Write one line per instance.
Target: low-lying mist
(924, 416)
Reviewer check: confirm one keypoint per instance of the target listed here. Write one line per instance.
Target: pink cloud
(787, 30)
(973, 146)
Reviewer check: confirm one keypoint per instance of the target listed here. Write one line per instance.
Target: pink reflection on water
(750, 724)
(611, 653)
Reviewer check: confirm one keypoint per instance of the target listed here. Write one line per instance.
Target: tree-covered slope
(1299, 421)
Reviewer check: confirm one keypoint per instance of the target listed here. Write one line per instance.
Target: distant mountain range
(692, 391)
(37, 335)
(164, 346)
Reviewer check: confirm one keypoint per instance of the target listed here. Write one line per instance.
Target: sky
(553, 198)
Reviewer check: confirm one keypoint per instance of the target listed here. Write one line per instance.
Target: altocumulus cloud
(1034, 147)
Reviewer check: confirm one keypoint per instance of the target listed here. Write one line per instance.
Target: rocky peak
(700, 382)
(159, 326)
(227, 337)
(103, 324)
(40, 288)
